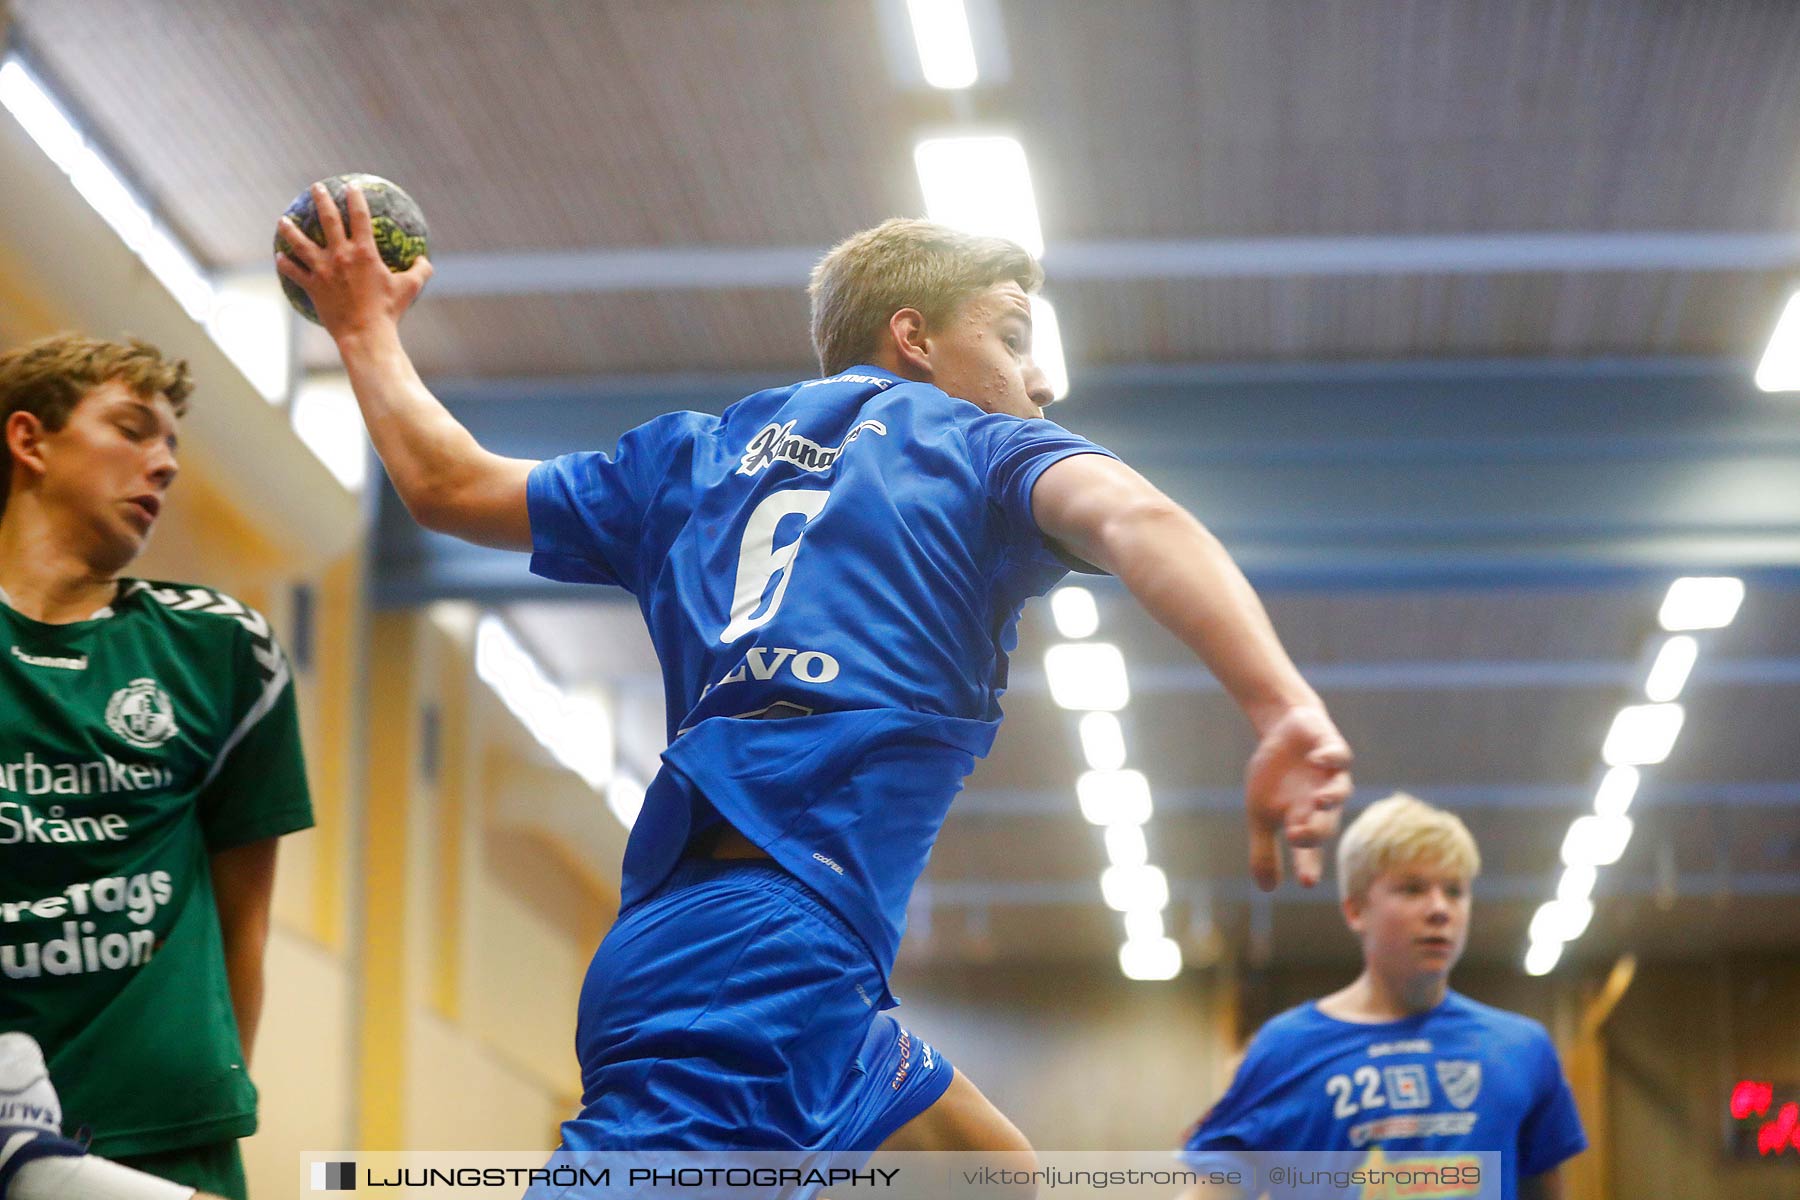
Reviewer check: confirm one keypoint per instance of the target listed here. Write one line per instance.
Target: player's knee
(1002, 1145)
(976, 1124)
(1006, 1149)
(986, 1133)
(964, 1120)
(1009, 1141)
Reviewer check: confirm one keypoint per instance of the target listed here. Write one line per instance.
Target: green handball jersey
(133, 746)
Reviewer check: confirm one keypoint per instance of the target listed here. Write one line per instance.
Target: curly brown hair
(48, 378)
(903, 263)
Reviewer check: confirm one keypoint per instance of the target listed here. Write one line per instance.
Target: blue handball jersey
(1461, 1077)
(832, 575)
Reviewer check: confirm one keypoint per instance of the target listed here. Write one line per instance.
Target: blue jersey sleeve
(1234, 1125)
(1236, 1121)
(1551, 1132)
(1009, 454)
(588, 510)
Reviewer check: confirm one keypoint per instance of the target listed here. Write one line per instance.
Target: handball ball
(399, 227)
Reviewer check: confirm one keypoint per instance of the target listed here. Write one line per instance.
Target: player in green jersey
(149, 759)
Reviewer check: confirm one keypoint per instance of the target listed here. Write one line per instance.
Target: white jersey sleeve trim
(271, 663)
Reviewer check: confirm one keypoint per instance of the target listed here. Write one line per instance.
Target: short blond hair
(1400, 831)
(903, 263)
(48, 378)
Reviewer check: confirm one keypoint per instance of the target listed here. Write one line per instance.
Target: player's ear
(906, 330)
(25, 439)
(1353, 913)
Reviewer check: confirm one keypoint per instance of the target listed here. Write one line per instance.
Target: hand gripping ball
(398, 225)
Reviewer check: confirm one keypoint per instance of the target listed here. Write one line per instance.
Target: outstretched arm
(1299, 776)
(444, 477)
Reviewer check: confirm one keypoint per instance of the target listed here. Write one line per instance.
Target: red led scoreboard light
(1765, 1120)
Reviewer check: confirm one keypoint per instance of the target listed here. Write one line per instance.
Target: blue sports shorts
(733, 1010)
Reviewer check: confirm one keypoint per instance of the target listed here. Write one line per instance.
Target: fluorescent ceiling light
(1613, 797)
(625, 796)
(1087, 676)
(1701, 602)
(1144, 925)
(326, 418)
(1642, 735)
(1047, 347)
(170, 262)
(107, 195)
(249, 321)
(1779, 370)
(1576, 884)
(31, 104)
(1150, 961)
(1596, 841)
(1561, 920)
(1669, 673)
(43, 119)
(1113, 797)
(1076, 614)
(1102, 741)
(1125, 846)
(575, 729)
(455, 619)
(946, 49)
(980, 184)
(1541, 958)
(1127, 889)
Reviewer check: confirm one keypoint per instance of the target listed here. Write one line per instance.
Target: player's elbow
(481, 510)
(430, 509)
(440, 503)
(425, 508)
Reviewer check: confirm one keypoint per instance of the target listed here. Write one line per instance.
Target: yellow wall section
(577, 895)
(333, 740)
(302, 1068)
(201, 539)
(381, 1033)
(25, 313)
(454, 736)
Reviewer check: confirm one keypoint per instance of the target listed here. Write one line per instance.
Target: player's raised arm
(1299, 776)
(447, 481)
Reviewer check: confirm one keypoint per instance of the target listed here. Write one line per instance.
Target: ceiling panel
(539, 126)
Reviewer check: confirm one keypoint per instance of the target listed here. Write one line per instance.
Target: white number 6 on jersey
(759, 558)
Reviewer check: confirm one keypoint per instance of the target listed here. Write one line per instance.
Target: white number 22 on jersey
(759, 558)
(1342, 1087)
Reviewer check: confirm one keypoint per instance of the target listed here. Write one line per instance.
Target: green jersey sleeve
(257, 787)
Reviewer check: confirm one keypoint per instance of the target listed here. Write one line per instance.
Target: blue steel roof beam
(1460, 475)
(596, 270)
(1520, 889)
(1457, 675)
(1564, 799)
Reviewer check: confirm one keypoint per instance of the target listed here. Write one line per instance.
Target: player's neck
(1373, 999)
(44, 577)
(893, 364)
